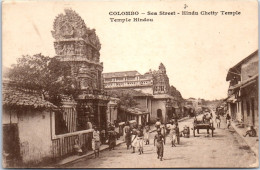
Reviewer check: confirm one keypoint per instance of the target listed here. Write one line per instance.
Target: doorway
(159, 114)
(11, 146)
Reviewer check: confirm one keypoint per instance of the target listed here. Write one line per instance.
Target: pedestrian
(89, 124)
(211, 121)
(77, 147)
(103, 136)
(96, 142)
(140, 140)
(109, 127)
(173, 133)
(158, 123)
(186, 131)
(228, 121)
(127, 132)
(251, 132)
(158, 142)
(163, 132)
(204, 118)
(134, 139)
(146, 134)
(112, 136)
(218, 120)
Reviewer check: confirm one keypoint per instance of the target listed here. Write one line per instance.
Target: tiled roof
(121, 74)
(15, 97)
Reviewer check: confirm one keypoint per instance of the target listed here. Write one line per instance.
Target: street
(225, 149)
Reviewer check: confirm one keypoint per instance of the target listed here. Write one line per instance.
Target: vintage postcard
(130, 84)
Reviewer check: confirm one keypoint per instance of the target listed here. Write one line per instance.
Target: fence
(63, 145)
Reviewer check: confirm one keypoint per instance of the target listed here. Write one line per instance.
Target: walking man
(228, 121)
(173, 134)
(134, 139)
(112, 136)
(158, 123)
(158, 142)
(96, 142)
(140, 140)
(218, 121)
(127, 131)
(146, 134)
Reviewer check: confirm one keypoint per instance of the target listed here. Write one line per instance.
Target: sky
(197, 51)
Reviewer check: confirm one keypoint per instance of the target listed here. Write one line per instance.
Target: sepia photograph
(130, 84)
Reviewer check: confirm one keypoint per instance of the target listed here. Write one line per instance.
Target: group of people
(160, 137)
(228, 120)
(138, 136)
(97, 140)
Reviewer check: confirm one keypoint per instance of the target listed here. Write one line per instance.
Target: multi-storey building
(152, 82)
(158, 102)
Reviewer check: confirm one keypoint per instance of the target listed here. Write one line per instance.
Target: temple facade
(79, 46)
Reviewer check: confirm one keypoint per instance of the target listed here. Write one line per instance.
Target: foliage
(29, 72)
(47, 76)
(127, 100)
(126, 97)
(175, 93)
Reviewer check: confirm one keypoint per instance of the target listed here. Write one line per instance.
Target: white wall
(35, 135)
(158, 104)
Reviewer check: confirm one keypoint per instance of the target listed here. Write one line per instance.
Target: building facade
(242, 98)
(155, 88)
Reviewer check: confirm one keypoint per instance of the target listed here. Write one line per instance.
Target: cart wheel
(212, 132)
(194, 132)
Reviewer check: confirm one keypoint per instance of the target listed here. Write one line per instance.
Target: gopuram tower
(79, 46)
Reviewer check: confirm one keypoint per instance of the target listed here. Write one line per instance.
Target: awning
(235, 86)
(248, 83)
(134, 111)
(231, 99)
(163, 96)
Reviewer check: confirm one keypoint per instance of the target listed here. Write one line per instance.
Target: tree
(175, 93)
(47, 76)
(127, 100)
(126, 97)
